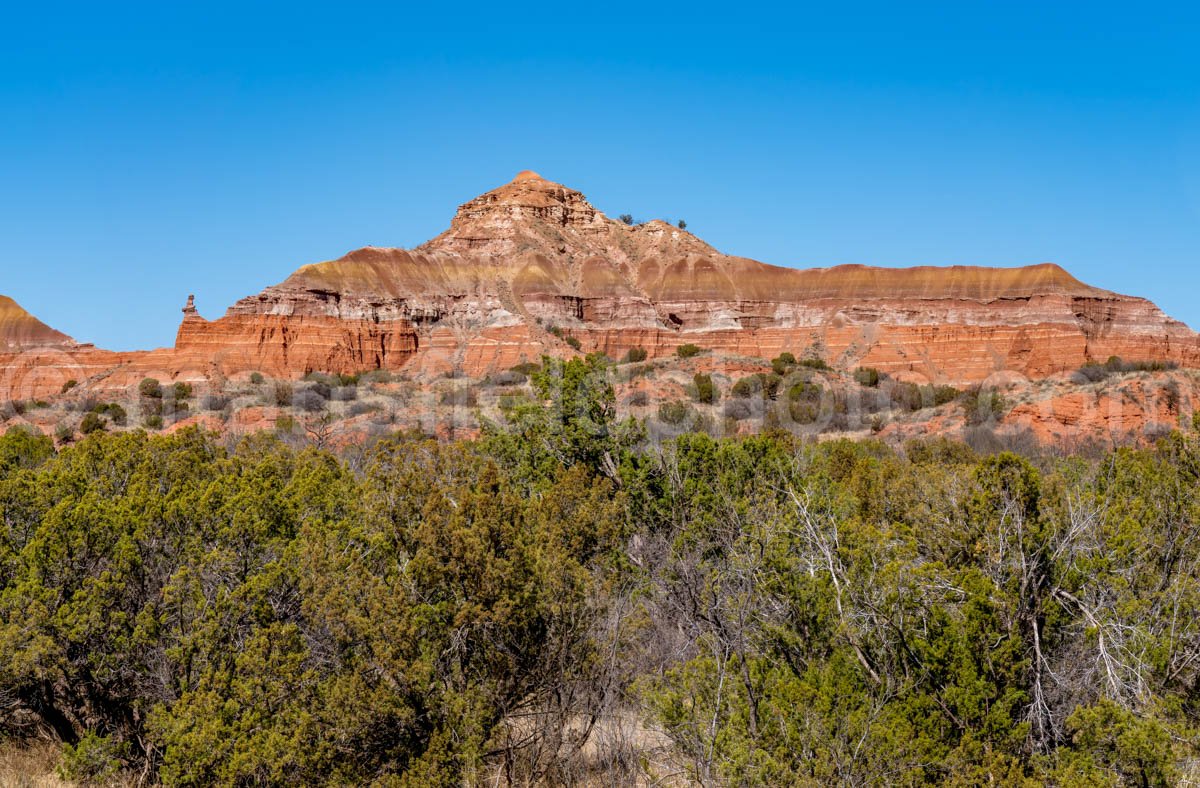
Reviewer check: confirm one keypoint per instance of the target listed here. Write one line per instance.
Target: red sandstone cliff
(530, 265)
(534, 254)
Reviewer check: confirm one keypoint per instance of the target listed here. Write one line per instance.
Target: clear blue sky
(151, 150)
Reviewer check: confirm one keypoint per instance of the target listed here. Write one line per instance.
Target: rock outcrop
(534, 255)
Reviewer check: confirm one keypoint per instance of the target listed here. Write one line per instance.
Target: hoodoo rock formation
(534, 255)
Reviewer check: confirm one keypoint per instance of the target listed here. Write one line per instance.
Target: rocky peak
(530, 214)
(530, 198)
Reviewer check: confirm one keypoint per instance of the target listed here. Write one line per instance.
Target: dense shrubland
(558, 603)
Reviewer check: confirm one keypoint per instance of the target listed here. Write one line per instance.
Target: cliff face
(529, 265)
(531, 268)
(533, 254)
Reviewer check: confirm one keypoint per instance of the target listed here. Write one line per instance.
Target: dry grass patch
(30, 765)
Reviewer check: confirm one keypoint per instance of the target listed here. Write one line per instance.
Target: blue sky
(148, 151)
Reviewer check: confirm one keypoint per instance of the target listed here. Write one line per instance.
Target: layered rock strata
(530, 267)
(20, 330)
(534, 255)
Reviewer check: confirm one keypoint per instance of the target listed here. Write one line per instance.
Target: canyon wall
(531, 263)
(531, 268)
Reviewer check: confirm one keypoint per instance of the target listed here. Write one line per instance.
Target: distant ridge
(19, 329)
